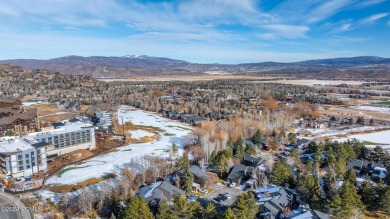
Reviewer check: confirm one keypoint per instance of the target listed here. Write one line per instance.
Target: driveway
(222, 205)
(12, 208)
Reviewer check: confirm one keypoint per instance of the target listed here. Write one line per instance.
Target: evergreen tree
(295, 156)
(163, 211)
(367, 194)
(245, 206)
(137, 208)
(292, 137)
(384, 202)
(228, 214)
(181, 207)
(281, 173)
(257, 138)
(223, 164)
(210, 212)
(196, 210)
(175, 149)
(183, 161)
(350, 176)
(310, 189)
(230, 145)
(114, 204)
(188, 178)
(350, 201)
(239, 148)
(250, 150)
(336, 208)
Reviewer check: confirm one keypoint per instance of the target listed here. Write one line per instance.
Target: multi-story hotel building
(28, 154)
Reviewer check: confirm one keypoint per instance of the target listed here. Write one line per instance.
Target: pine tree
(350, 201)
(367, 194)
(230, 145)
(228, 214)
(175, 149)
(188, 179)
(239, 148)
(350, 176)
(210, 212)
(183, 161)
(250, 150)
(336, 208)
(196, 210)
(292, 137)
(281, 173)
(257, 138)
(163, 211)
(240, 207)
(114, 204)
(295, 156)
(137, 208)
(245, 206)
(384, 201)
(181, 207)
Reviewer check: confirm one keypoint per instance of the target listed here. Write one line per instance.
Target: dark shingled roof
(240, 171)
(28, 115)
(165, 191)
(198, 172)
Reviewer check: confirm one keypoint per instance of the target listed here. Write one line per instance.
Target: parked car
(192, 198)
(204, 191)
(220, 184)
(233, 184)
(227, 196)
(221, 197)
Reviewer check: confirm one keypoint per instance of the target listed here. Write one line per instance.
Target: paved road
(9, 206)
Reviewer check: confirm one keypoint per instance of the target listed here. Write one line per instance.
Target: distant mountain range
(142, 65)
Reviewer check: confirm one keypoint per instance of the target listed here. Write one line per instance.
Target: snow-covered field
(112, 162)
(373, 108)
(325, 132)
(140, 134)
(314, 82)
(26, 104)
(382, 137)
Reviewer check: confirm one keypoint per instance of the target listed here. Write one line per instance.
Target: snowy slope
(112, 162)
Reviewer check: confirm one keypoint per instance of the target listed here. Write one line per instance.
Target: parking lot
(221, 205)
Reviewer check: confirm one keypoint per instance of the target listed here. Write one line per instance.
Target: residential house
(240, 173)
(372, 169)
(9, 102)
(199, 175)
(18, 121)
(73, 105)
(276, 202)
(162, 190)
(250, 160)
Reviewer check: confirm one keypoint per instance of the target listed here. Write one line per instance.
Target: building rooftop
(66, 128)
(9, 145)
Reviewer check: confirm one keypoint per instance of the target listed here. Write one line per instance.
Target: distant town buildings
(16, 120)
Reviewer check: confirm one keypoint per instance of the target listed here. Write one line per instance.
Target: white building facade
(27, 155)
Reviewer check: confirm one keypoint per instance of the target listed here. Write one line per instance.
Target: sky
(202, 31)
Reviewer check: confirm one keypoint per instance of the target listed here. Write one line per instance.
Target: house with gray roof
(240, 173)
(162, 190)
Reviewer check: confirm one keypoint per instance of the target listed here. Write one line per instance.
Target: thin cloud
(288, 31)
(327, 9)
(373, 18)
